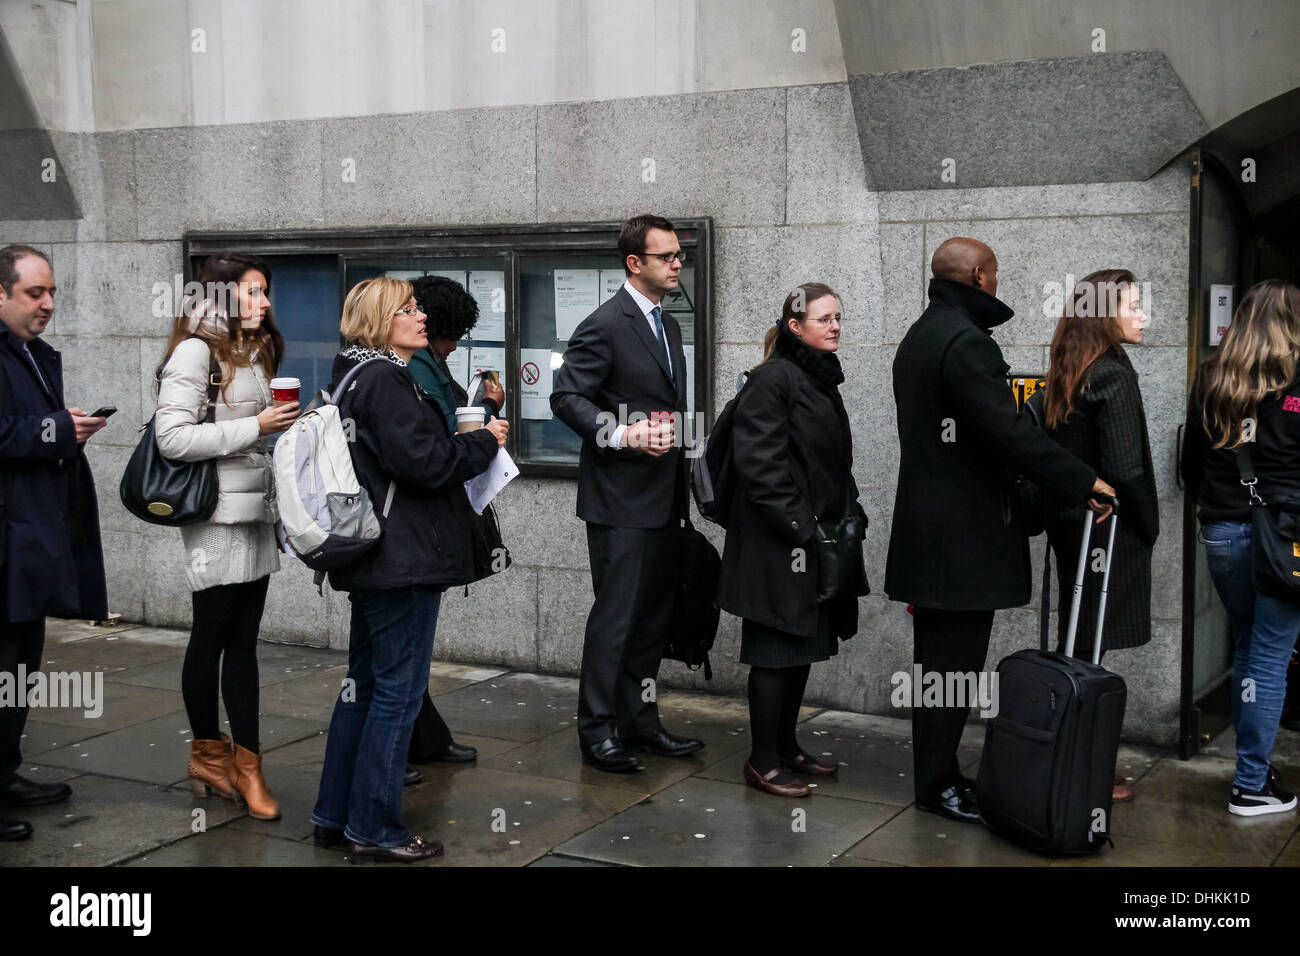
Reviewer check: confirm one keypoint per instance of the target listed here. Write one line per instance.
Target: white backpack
(327, 515)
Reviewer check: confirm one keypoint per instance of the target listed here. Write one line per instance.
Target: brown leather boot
(212, 765)
(252, 786)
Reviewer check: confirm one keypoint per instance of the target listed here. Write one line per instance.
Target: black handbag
(695, 610)
(491, 556)
(841, 570)
(1275, 537)
(173, 493)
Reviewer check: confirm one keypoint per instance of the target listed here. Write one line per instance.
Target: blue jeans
(389, 651)
(1264, 632)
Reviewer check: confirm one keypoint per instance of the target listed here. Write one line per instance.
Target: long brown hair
(1089, 329)
(796, 307)
(1255, 360)
(214, 317)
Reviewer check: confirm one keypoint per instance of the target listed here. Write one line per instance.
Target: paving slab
(711, 823)
(227, 846)
(157, 751)
(124, 705)
(40, 737)
(1129, 851)
(111, 653)
(59, 631)
(515, 706)
(916, 838)
(493, 818)
(106, 821)
(1290, 855)
(295, 789)
(552, 859)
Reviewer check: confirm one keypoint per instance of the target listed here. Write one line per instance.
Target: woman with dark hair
(1091, 405)
(226, 334)
(793, 454)
(1247, 398)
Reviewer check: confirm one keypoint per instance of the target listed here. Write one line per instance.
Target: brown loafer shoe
(764, 782)
(806, 763)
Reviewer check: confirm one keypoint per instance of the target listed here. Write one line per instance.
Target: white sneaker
(1251, 803)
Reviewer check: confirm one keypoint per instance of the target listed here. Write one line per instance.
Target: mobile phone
(103, 412)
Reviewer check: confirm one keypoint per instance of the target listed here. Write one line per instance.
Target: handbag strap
(214, 385)
(1246, 468)
(1045, 612)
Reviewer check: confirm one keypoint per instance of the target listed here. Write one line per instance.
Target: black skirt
(763, 646)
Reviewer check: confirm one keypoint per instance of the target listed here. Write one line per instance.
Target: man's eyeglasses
(667, 257)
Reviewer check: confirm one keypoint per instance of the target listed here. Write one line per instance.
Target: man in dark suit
(958, 549)
(50, 556)
(622, 387)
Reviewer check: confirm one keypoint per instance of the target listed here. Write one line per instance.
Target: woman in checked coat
(1091, 405)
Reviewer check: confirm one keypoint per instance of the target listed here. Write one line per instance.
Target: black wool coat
(1108, 430)
(957, 543)
(427, 539)
(793, 454)
(53, 559)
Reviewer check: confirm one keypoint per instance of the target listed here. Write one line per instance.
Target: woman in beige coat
(228, 558)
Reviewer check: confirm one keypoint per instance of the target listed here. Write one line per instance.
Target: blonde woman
(1252, 376)
(230, 557)
(402, 441)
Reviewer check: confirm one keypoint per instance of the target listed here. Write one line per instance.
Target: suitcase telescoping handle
(1082, 570)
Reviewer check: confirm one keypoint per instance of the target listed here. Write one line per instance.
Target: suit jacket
(614, 370)
(53, 563)
(957, 542)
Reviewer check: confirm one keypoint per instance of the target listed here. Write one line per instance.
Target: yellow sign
(1023, 386)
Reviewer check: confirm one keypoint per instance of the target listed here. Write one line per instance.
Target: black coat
(613, 369)
(1108, 430)
(53, 560)
(957, 542)
(427, 537)
(793, 454)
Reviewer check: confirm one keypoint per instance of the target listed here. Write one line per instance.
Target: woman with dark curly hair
(450, 312)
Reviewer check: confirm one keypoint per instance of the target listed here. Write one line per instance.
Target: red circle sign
(530, 373)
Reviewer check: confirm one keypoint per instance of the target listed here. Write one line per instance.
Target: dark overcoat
(957, 541)
(793, 453)
(1108, 429)
(53, 559)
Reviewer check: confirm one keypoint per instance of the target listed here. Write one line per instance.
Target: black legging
(226, 621)
(775, 695)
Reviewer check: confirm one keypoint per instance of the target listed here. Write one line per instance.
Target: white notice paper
(1220, 312)
(489, 290)
(493, 358)
(611, 280)
(483, 488)
(535, 380)
(575, 299)
(405, 275)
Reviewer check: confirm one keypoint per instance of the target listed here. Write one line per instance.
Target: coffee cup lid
(468, 410)
(286, 382)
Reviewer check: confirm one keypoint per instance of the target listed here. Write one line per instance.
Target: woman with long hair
(793, 452)
(1091, 405)
(1248, 396)
(226, 334)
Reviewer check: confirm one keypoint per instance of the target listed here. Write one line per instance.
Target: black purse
(1275, 538)
(491, 556)
(174, 493)
(695, 611)
(841, 570)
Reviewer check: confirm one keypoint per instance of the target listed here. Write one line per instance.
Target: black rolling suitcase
(1048, 768)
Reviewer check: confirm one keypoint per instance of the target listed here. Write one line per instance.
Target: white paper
(405, 275)
(535, 380)
(611, 280)
(1220, 312)
(489, 290)
(575, 299)
(492, 357)
(483, 488)
(689, 349)
(458, 364)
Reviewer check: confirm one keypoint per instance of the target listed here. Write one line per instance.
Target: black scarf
(822, 367)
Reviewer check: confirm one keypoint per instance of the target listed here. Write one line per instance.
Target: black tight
(224, 640)
(775, 695)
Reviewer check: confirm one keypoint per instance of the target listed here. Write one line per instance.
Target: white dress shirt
(646, 307)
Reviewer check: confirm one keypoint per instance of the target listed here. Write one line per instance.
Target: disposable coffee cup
(470, 418)
(284, 391)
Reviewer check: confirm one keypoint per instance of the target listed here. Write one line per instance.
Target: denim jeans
(1264, 631)
(389, 650)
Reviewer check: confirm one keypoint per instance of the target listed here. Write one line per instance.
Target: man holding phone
(51, 562)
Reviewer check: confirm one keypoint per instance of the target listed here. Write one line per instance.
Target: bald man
(957, 550)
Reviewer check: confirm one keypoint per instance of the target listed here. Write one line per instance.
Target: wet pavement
(529, 800)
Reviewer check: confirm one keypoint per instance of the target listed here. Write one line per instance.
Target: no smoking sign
(530, 373)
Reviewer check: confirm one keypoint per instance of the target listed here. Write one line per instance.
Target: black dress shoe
(664, 744)
(455, 753)
(412, 776)
(326, 836)
(11, 830)
(413, 852)
(955, 803)
(609, 755)
(20, 792)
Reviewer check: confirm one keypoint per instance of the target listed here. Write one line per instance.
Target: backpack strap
(1246, 468)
